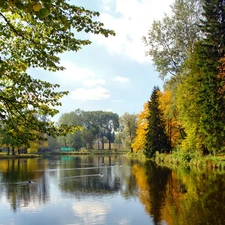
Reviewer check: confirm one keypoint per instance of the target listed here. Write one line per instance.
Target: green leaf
(42, 13)
(19, 5)
(46, 1)
(3, 4)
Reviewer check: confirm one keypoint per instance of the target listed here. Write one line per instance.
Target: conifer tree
(156, 138)
(210, 50)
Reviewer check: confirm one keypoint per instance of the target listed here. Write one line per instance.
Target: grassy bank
(192, 160)
(137, 155)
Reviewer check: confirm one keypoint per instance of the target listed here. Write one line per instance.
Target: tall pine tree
(210, 50)
(156, 138)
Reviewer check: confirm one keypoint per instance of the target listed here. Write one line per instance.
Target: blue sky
(111, 74)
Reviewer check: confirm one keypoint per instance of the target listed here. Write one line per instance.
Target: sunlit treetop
(40, 30)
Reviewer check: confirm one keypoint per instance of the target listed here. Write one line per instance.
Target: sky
(112, 74)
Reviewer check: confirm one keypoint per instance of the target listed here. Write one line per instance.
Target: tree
(73, 139)
(167, 105)
(142, 123)
(205, 81)
(172, 40)
(211, 51)
(95, 125)
(189, 110)
(92, 123)
(128, 122)
(109, 122)
(156, 138)
(34, 34)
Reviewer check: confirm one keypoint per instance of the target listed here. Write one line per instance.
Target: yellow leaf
(37, 7)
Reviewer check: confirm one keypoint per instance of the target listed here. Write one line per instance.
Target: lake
(74, 190)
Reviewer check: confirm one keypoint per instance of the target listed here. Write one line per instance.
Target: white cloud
(74, 73)
(108, 110)
(121, 79)
(96, 93)
(91, 211)
(124, 221)
(131, 20)
(93, 82)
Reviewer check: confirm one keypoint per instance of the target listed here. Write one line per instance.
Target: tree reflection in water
(15, 177)
(181, 196)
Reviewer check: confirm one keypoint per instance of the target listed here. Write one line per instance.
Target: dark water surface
(107, 190)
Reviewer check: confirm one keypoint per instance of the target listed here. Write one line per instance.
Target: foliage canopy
(34, 34)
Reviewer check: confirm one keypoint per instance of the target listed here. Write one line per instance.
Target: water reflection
(87, 212)
(107, 190)
(23, 184)
(181, 196)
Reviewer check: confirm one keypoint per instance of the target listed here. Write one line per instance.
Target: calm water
(107, 190)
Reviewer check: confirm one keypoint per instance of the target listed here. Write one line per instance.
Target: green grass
(192, 160)
(137, 155)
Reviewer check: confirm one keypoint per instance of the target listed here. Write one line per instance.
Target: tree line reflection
(181, 196)
(15, 186)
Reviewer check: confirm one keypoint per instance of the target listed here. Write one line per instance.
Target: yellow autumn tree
(36, 144)
(142, 123)
(168, 107)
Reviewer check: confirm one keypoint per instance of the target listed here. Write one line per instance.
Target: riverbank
(16, 156)
(81, 152)
(184, 159)
(192, 160)
(174, 159)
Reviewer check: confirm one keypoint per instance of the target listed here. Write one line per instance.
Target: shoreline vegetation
(175, 159)
(191, 160)
(81, 152)
(184, 159)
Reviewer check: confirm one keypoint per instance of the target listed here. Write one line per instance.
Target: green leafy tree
(128, 125)
(95, 126)
(92, 122)
(187, 102)
(156, 138)
(73, 139)
(172, 39)
(34, 34)
(102, 125)
(109, 124)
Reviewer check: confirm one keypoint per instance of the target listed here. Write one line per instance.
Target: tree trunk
(98, 142)
(102, 142)
(131, 149)
(8, 151)
(13, 150)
